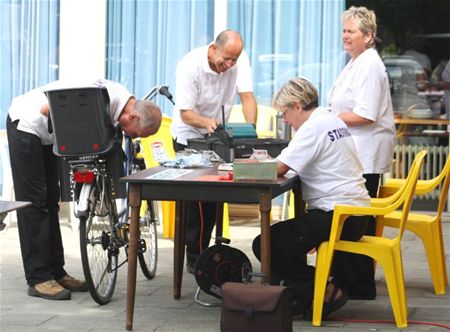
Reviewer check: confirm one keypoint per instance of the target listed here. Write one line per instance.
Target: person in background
(207, 79)
(35, 176)
(324, 156)
(441, 82)
(414, 48)
(361, 98)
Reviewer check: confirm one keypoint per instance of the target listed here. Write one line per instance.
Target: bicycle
(95, 191)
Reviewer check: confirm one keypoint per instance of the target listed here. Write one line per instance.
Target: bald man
(209, 78)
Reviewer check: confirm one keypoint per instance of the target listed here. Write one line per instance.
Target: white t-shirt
(27, 107)
(323, 154)
(200, 89)
(363, 88)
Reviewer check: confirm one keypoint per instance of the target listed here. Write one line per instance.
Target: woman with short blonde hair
(361, 97)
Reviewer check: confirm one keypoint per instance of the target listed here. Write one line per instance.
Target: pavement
(156, 310)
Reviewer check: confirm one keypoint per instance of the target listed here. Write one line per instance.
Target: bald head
(223, 54)
(230, 37)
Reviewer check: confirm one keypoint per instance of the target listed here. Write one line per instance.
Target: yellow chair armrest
(349, 210)
(422, 187)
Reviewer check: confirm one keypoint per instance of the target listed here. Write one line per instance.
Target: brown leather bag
(248, 307)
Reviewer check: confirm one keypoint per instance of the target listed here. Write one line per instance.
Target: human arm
(361, 91)
(442, 85)
(249, 107)
(282, 168)
(194, 119)
(245, 88)
(353, 120)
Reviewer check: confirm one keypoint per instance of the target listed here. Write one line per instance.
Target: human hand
(210, 125)
(44, 110)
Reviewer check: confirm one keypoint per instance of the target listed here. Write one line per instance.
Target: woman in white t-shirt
(361, 97)
(323, 154)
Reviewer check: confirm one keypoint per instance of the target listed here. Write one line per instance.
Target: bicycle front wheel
(148, 257)
(98, 257)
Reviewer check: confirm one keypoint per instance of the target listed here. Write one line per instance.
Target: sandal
(329, 306)
(334, 303)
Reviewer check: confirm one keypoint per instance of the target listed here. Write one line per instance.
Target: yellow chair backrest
(423, 187)
(266, 123)
(164, 136)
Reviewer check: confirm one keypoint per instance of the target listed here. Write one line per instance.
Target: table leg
(134, 201)
(179, 247)
(265, 205)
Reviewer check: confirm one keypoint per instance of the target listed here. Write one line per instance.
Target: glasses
(283, 114)
(307, 107)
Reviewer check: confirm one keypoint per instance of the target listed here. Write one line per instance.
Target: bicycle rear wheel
(98, 258)
(148, 257)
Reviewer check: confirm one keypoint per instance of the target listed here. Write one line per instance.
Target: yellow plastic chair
(266, 123)
(386, 251)
(163, 135)
(427, 227)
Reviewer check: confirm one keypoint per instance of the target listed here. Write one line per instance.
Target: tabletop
(192, 184)
(8, 206)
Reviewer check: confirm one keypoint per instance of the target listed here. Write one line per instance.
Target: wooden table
(183, 185)
(8, 206)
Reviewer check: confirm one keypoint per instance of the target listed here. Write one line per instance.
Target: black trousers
(35, 176)
(201, 218)
(356, 273)
(292, 239)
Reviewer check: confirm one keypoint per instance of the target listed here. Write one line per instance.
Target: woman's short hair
(297, 90)
(367, 21)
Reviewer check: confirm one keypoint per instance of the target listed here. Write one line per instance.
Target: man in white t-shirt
(207, 81)
(323, 154)
(35, 176)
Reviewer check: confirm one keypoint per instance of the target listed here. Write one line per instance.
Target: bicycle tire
(98, 261)
(148, 260)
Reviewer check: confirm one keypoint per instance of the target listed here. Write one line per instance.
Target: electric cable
(371, 321)
(200, 208)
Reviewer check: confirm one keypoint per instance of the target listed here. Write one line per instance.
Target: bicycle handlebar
(159, 90)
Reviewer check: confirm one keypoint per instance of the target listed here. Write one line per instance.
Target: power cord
(370, 321)
(200, 208)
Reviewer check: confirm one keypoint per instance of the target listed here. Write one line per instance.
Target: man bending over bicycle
(35, 177)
